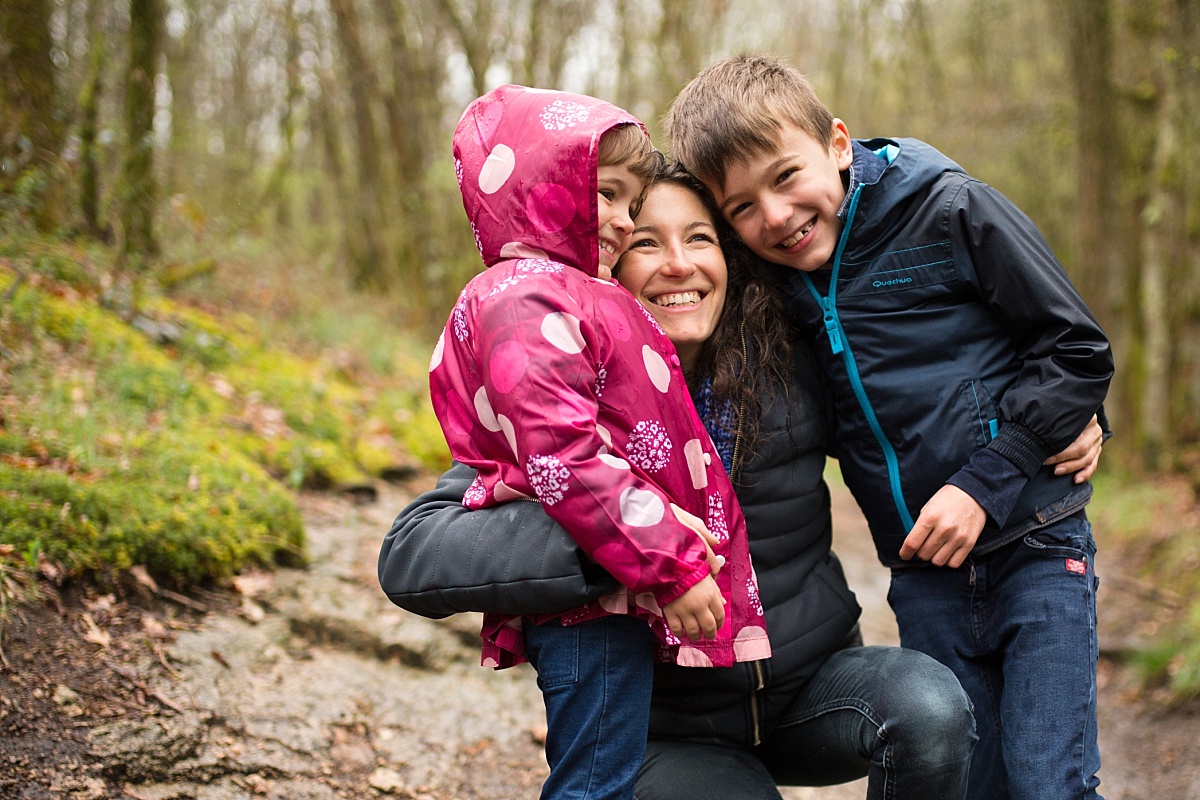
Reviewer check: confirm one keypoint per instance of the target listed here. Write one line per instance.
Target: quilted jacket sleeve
(440, 558)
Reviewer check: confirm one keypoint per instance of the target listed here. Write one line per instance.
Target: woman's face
(675, 267)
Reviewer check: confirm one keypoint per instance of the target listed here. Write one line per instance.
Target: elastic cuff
(1021, 446)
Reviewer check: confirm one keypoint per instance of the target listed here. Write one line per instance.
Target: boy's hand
(1082, 456)
(700, 611)
(715, 562)
(946, 530)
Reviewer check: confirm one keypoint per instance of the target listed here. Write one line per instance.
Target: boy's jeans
(894, 715)
(596, 678)
(1018, 627)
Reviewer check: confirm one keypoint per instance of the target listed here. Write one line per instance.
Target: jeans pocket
(1069, 538)
(553, 650)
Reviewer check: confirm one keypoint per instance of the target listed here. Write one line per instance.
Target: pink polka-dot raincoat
(558, 386)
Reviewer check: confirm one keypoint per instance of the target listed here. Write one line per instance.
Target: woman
(823, 709)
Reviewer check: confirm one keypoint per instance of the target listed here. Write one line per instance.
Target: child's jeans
(596, 679)
(1018, 628)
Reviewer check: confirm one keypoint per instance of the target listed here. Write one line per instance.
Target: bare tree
(31, 130)
(139, 191)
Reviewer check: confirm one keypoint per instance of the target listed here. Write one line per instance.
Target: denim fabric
(596, 679)
(894, 715)
(1018, 627)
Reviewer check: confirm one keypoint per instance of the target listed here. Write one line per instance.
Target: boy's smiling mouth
(799, 235)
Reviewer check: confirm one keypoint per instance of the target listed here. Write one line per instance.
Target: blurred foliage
(173, 440)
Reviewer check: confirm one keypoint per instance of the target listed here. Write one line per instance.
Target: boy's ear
(840, 145)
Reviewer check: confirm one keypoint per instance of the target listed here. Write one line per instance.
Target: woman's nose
(675, 262)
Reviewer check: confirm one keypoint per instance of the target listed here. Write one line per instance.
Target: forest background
(230, 230)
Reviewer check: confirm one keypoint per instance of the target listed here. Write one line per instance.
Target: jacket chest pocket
(900, 279)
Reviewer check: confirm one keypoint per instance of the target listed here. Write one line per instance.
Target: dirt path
(310, 685)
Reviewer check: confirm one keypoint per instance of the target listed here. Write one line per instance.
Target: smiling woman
(715, 303)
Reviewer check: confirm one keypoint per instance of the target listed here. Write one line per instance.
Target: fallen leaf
(220, 659)
(139, 573)
(94, 634)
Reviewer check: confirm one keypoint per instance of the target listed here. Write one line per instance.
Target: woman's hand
(700, 611)
(1082, 456)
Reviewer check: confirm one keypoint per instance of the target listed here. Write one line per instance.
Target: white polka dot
(614, 462)
(562, 331)
(497, 169)
(640, 508)
(518, 250)
(656, 368)
(646, 600)
(504, 493)
(752, 644)
(615, 603)
(605, 436)
(438, 349)
(483, 409)
(509, 433)
(693, 451)
(691, 657)
(491, 662)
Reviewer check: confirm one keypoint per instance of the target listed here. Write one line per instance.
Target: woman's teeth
(678, 299)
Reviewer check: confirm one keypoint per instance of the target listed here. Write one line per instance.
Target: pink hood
(526, 165)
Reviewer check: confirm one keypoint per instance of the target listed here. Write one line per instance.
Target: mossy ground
(172, 436)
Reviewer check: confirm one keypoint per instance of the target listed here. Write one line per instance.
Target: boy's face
(618, 190)
(784, 202)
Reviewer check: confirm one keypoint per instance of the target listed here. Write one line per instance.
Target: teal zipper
(841, 346)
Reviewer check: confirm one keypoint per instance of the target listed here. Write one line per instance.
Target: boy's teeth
(799, 235)
(678, 299)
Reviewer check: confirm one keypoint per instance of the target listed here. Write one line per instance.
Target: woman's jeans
(1018, 627)
(896, 716)
(596, 678)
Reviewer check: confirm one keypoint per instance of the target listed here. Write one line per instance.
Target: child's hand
(715, 562)
(698, 611)
(946, 530)
(1082, 456)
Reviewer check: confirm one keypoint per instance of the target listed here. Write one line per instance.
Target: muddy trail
(309, 685)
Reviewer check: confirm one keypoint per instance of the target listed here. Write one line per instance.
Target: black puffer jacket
(427, 565)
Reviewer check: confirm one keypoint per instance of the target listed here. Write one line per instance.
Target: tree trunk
(31, 131)
(139, 189)
(370, 266)
(89, 114)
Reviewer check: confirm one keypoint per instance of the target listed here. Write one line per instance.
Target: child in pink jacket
(557, 386)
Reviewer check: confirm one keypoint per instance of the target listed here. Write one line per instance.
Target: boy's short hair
(630, 145)
(733, 109)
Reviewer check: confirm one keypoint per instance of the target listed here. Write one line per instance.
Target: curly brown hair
(749, 355)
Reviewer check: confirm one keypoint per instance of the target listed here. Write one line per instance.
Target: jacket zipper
(735, 467)
(839, 344)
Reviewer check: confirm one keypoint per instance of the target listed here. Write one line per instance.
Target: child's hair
(630, 145)
(733, 110)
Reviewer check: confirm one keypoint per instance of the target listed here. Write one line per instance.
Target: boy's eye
(608, 194)
(738, 209)
(787, 173)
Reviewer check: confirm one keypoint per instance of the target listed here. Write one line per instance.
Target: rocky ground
(310, 685)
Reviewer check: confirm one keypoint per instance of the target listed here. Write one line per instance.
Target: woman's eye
(641, 243)
(608, 194)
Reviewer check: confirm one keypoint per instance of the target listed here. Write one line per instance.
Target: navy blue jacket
(956, 347)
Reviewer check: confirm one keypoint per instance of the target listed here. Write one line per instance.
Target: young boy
(554, 383)
(960, 357)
